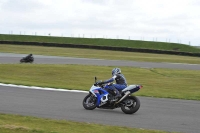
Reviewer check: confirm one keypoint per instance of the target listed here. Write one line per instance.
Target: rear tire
(131, 105)
(22, 60)
(89, 102)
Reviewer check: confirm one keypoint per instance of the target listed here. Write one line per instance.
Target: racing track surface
(14, 58)
(155, 113)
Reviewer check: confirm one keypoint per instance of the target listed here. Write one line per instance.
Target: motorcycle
(99, 97)
(27, 59)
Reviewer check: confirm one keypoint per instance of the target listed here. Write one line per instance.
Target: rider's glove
(99, 83)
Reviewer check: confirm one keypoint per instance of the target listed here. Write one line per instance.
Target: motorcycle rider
(120, 82)
(29, 56)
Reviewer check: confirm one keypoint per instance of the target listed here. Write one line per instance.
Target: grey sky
(151, 20)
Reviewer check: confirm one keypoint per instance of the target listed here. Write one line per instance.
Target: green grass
(167, 83)
(102, 42)
(27, 124)
(101, 54)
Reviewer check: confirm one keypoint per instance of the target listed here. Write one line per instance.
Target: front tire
(130, 105)
(31, 60)
(89, 102)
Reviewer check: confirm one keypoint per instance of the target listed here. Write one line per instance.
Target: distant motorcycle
(27, 59)
(99, 97)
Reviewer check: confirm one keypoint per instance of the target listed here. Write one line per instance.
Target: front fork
(92, 98)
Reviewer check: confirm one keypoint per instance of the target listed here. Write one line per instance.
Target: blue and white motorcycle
(99, 97)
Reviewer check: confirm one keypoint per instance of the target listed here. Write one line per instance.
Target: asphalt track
(39, 59)
(155, 113)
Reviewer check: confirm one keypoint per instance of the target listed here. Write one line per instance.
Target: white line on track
(180, 63)
(40, 88)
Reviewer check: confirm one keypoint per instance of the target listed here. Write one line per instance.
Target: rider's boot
(117, 94)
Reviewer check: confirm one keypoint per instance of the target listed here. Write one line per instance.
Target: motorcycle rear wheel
(22, 60)
(89, 102)
(130, 105)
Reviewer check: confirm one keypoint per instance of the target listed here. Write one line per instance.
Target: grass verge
(101, 54)
(27, 124)
(167, 83)
(102, 42)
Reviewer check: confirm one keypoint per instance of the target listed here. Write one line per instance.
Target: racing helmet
(116, 71)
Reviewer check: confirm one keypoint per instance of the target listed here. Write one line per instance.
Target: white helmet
(116, 71)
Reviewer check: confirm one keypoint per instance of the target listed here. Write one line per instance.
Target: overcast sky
(150, 20)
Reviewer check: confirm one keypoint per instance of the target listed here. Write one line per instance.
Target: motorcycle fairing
(100, 94)
(131, 88)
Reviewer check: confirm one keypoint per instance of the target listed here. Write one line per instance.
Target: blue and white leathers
(100, 94)
(120, 82)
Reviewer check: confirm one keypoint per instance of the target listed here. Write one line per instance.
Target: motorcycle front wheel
(31, 60)
(130, 105)
(89, 102)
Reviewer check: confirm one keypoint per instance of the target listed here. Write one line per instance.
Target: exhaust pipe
(123, 97)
